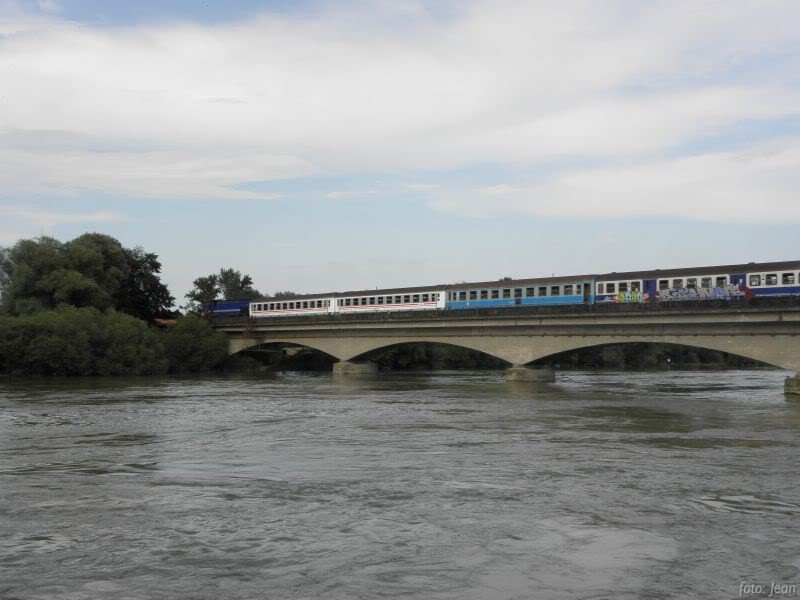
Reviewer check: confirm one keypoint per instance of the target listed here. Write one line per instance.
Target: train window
(462, 296)
(283, 306)
(372, 300)
(397, 299)
(599, 288)
(435, 297)
(691, 283)
(623, 286)
(424, 297)
(517, 292)
(677, 284)
(406, 299)
(380, 299)
(305, 303)
(415, 298)
(721, 281)
(568, 290)
(755, 280)
(473, 295)
(484, 294)
(610, 288)
(530, 292)
(787, 279)
(507, 293)
(555, 290)
(347, 302)
(542, 290)
(772, 279)
(705, 282)
(495, 294)
(364, 301)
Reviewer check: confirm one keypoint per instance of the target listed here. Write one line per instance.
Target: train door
(587, 292)
(650, 290)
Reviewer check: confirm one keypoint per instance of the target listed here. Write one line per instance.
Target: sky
(329, 146)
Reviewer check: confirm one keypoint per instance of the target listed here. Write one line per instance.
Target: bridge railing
(732, 304)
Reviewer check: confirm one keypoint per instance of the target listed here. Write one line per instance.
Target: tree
(93, 270)
(235, 286)
(228, 284)
(141, 293)
(206, 289)
(284, 294)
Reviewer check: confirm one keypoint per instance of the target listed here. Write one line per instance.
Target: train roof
(501, 283)
(506, 283)
(791, 265)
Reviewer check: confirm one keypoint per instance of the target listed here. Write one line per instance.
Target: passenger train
(726, 282)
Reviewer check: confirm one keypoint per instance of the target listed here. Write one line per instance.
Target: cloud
(197, 111)
(755, 185)
(20, 221)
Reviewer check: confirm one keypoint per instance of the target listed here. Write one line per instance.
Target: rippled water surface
(444, 485)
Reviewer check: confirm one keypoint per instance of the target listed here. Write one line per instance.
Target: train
(721, 282)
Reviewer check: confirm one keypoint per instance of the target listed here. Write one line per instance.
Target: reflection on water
(426, 485)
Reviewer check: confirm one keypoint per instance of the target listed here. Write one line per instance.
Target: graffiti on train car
(725, 292)
(631, 297)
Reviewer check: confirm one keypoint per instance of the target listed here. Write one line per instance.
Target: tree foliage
(192, 345)
(228, 284)
(79, 341)
(141, 293)
(93, 270)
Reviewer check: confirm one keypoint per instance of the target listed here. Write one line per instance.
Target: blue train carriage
(577, 289)
(227, 308)
(721, 282)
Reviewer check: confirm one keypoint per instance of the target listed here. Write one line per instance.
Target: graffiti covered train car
(724, 282)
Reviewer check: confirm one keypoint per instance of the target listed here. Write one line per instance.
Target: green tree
(206, 289)
(141, 293)
(228, 284)
(235, 286)
(79, 341)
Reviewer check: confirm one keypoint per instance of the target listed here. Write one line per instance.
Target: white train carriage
(390, 300)
(291, 307)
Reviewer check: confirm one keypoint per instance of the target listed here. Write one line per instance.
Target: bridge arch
(779, 351)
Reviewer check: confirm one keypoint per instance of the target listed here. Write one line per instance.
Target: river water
(453, 485)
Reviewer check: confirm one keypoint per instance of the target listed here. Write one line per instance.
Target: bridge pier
(792, 385)
(348, 368)
(538, 374)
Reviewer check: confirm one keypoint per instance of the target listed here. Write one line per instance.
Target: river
(447, 485)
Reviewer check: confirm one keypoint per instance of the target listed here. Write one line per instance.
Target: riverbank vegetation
(89, 307)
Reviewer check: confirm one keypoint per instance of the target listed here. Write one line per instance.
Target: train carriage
(722, 282)
(521, 292)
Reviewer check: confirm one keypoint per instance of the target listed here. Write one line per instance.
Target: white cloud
(19, 221)
(755, 185)
(386, 86)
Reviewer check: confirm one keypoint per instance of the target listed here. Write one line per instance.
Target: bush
(79, 341)
(192, 345)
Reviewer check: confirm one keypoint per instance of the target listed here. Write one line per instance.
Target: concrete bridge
(767, 334)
